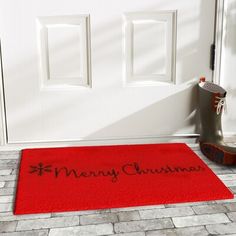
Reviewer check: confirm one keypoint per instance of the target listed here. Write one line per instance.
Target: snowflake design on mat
(40, 169)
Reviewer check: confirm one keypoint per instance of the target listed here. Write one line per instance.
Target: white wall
(228, 65)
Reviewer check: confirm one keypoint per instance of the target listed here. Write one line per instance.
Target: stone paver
(232, 216)
(128, 215)
(8, 216)
(7, 177)
(85, 230)
(78, 213)
(167, 212)
(10, 184)
(5, 207)
(27, 233)
(137, 208)
(230, 206)
(8, 226)
(47, 223)
(5, 172)
(210, 209)
(229, 180)
(6, 199)
(143, 225)
(6, 191)
(229, 228)
(98, 219)
(131, 234)
(186, 221)
(189, 231)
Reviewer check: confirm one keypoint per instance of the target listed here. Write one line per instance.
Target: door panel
(78, 70)
(62, 64)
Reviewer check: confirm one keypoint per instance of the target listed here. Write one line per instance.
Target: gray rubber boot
(211, 104)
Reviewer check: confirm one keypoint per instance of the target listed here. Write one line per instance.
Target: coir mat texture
(98, 177)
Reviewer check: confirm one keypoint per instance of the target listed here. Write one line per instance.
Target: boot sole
(217, 154)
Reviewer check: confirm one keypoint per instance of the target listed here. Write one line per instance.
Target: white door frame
(220, 16)
(219, 32)
(3, 126)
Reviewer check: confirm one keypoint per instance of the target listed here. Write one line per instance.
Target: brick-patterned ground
(204, 218)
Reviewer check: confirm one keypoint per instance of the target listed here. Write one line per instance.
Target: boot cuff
(213, 88)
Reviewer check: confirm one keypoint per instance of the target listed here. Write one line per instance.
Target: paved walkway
(204, 218)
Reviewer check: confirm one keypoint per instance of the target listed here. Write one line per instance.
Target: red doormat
(98, 177)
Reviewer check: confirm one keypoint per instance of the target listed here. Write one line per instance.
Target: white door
(88, 69)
